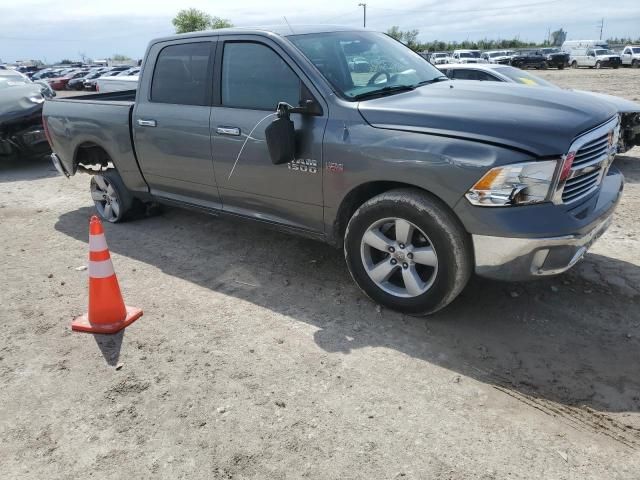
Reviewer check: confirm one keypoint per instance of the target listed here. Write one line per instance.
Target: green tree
(395, 32)
(117, 57)
(217, 22)
(192, 20)
(65, 61)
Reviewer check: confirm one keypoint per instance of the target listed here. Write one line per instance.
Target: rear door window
(257, 78)
(181, 74)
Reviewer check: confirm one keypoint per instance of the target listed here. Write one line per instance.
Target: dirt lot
(257, 357)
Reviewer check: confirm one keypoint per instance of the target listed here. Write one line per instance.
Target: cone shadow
(110, 345)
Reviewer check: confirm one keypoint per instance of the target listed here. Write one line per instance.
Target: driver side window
(257, 78)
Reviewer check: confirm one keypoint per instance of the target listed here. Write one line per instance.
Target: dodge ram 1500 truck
(419, 179)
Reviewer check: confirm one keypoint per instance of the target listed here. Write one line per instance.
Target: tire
(598, 65)
(574, 64)
(560, 67)
(615, 67)
(112, 199)
(635, 64)
(436, 236)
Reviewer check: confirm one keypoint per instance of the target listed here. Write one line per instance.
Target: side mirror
(45, 89)
(281, 133)
(281, 136)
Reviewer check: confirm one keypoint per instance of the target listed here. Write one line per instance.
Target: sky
(52, 30)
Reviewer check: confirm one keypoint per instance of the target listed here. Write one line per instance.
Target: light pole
(364, 20)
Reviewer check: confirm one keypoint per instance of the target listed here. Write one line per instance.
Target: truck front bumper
(533, 255)
(517, 259)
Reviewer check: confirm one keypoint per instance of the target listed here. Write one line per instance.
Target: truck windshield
(366, 64)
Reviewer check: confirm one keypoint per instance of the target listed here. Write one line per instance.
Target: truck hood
(541, 121)
(622, 104)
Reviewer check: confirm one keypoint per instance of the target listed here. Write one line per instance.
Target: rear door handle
(235, 131)
(146, 123)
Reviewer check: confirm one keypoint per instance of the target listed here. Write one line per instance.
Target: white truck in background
(631, 56)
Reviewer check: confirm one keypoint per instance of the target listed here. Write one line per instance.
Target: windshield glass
(523, 78)
(636, 50)
(603, 52)
(360, 64)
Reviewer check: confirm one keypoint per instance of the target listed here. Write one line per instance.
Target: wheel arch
(362, 193)
(91, 154)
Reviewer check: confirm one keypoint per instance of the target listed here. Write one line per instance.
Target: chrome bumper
(56, 163)
(517, 259)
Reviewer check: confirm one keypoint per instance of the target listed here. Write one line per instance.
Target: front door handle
(234, 131)
(146, 123)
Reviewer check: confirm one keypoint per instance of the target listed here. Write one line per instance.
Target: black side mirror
(281, 134)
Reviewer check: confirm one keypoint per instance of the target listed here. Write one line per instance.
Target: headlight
(518, 184)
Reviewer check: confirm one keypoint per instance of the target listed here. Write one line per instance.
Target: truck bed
(96, 120)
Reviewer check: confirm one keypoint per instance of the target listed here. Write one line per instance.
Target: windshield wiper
(433, 80)
(384, 91)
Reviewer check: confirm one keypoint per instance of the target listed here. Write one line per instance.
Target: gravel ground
(257, 357)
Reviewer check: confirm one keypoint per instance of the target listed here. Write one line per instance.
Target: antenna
(288, 25)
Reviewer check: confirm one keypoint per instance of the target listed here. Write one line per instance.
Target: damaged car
(21, 131)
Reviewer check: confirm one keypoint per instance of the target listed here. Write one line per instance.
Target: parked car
(117, 83)
(502, 57)
(420, 180)
(21, 131)
(437, 58)
(60, 83)
(631, 56)
(528, 59)
(359, 65)
(594, 58)
(555, 57)
(90, 84)
(467, 56)
(78, 82)
(629, 111)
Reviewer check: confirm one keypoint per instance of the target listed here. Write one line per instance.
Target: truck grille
(594, 152)
(579, 186)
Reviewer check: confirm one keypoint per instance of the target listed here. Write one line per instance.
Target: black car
(21, 130)
(79, 83)
(555, 58)
(90, 83)
(529, 59)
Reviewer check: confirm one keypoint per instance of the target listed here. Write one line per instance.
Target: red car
(60, 83)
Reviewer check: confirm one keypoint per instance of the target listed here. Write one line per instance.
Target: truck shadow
(561, 343)
(629, 166)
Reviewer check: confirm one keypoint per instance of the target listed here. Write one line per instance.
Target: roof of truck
(282, 30)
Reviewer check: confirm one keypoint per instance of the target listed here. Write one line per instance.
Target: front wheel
(111, 197)
(574, 64)
(635, 64)
(598, 65)
(408, 252)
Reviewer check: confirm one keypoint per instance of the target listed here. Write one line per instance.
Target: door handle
(235, 131)
(146, 123)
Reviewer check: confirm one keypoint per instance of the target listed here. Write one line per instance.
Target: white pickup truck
(631, 56)
(593, 58)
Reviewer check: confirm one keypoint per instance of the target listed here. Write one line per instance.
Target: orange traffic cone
(107, 311)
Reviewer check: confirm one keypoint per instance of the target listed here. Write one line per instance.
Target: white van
(570, 45)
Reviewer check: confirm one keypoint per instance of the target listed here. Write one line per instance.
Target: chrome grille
(581, 185)
(593, 153)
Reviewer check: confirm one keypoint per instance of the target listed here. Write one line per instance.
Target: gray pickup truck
(420, 179)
